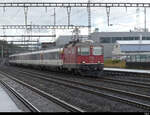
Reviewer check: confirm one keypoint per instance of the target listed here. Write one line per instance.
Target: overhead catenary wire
(118, 17)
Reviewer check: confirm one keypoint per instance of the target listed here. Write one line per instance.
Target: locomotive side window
(73, 50)
(69, 51)
(79, 51)
(97, 50)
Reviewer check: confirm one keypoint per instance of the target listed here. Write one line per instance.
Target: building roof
(133, 42)
(135, 48)
(121, 34)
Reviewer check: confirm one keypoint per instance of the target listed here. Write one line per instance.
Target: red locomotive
(85, 58)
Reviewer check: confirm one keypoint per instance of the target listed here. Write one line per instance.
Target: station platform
(128, 70)
(6, 103)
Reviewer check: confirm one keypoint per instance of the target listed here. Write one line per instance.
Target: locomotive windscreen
(97, 50)
(83, 50)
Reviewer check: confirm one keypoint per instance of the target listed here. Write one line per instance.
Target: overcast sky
(122, 19)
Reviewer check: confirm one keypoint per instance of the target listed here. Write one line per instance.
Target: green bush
(115, 61)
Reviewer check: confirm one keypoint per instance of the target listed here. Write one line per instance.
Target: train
(84, 58)
(138, 61)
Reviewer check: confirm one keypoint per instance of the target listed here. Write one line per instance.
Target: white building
(122, 49)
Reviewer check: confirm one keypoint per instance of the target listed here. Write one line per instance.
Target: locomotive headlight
(83, 61)
(98, 62)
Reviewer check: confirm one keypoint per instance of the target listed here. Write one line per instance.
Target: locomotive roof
(37, 52)
(86, 43)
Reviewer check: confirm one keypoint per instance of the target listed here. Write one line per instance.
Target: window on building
(138, 59)
(114, 39)
(143, 58)
(145, 38)
(105, 40)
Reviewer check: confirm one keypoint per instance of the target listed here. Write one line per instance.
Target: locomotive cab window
(85, 51)
(97, 50)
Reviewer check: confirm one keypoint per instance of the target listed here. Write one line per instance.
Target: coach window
(41, 56)
(85, 51)
(46, 56)
(57, 54)
(32, 56)
(54, 55)
(35, 56)
(38, 56)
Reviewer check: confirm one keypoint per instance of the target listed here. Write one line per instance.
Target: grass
(114, 63)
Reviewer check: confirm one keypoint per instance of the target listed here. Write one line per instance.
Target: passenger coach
(42, 59)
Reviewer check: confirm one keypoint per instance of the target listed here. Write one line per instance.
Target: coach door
(41, 58)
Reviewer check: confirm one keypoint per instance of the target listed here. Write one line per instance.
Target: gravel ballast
(43, 104)
(86, 101)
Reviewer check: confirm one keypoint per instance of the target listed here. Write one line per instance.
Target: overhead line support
(41, 26)
(27, 35)
(108, 14)
(68, 13)
(145, 18)
(89, 20)
(71, 4)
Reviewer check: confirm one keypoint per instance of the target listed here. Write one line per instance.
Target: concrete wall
(108, 50)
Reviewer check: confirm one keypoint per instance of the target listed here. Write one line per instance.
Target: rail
(62, 103)
(118, 98)
(30, 106)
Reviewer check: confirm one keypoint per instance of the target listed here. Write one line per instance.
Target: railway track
(62, 103)
(132, 83)
(121, 73)
(29, 105)
(125, 82)
(89, 89)
(101, 79)
(130, 78)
